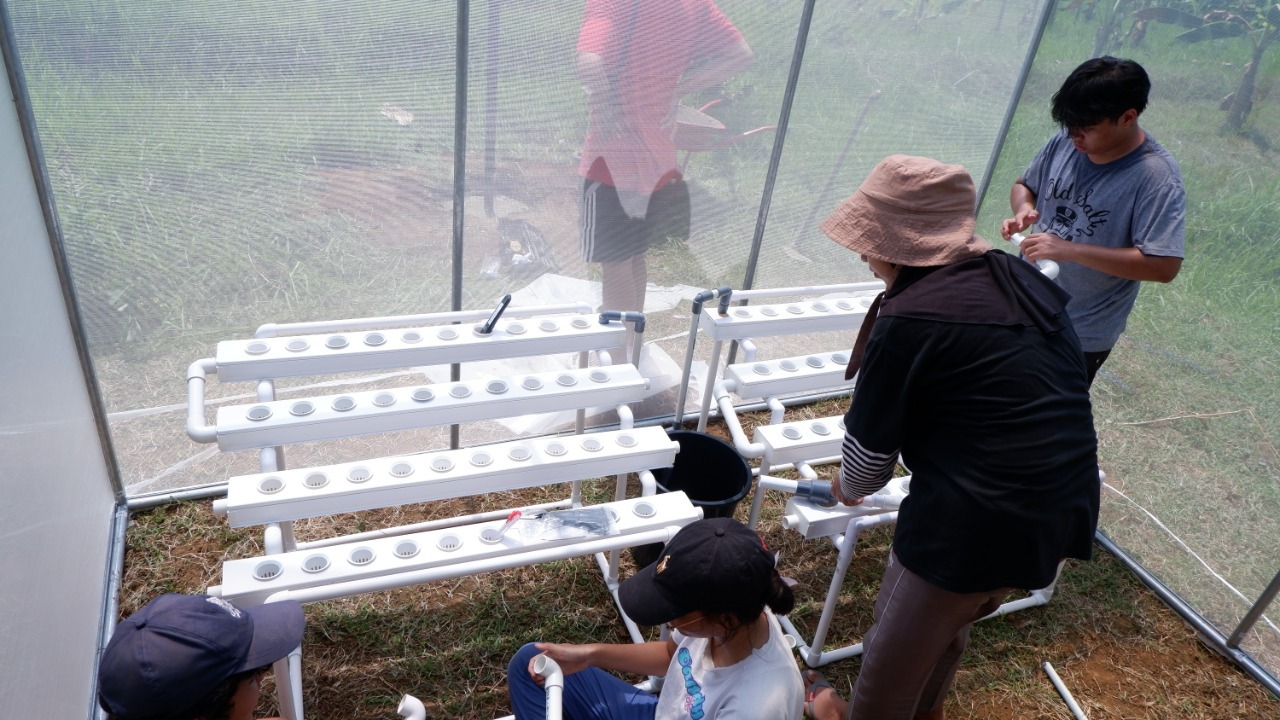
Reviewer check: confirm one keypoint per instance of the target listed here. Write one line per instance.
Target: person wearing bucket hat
(183, 657)
(968, 368)
(1104, 200)
(715, 588)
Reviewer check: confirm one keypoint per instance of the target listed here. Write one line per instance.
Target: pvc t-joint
(624, 317)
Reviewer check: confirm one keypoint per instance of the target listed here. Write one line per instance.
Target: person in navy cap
(715, 588)
(189, 657)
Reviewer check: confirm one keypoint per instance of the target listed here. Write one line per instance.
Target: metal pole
(1255, 612)
(493, 42)
(1046, 12)
(775, 158)
(459, 172)
(1209, 634)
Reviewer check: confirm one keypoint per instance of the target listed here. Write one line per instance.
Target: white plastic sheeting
(56, 499)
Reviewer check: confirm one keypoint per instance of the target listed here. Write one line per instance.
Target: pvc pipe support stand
(721, 292)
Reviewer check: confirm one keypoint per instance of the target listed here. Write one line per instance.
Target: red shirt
(646, 45)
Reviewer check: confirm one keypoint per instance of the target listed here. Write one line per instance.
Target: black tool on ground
(489, 324)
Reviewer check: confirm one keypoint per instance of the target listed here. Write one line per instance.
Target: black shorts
(610, 235)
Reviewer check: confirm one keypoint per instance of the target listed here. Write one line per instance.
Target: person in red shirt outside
(636, 59)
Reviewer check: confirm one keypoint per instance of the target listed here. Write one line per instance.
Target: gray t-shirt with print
(1135, 201)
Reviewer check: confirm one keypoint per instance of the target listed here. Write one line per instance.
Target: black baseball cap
(712, 565)
(177, 649)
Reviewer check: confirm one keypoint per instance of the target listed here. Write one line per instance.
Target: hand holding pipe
(552, 682)
(819, 493)
(1048, 267)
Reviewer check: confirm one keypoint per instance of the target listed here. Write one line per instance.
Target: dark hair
(1100, 89)
(780, 600)
(214, 706)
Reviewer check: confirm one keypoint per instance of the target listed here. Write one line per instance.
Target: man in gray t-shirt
(1104, 199)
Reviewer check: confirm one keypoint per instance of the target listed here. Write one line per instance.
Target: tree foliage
(1255, 20)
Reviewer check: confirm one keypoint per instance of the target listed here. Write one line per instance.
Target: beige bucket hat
(910, 211)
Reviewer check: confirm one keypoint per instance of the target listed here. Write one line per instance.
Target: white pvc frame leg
(812, 652)
(288, 677)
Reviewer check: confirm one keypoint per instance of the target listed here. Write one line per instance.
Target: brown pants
(912, 651)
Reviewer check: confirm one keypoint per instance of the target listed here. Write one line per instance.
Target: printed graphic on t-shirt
(693, 698)
(1074, 214)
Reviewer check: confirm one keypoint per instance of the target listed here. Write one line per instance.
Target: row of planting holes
(769, 311)
(273, 484)
(409, 337)
(268, 570)
(812, 361)
(343, 403)
(817, 428)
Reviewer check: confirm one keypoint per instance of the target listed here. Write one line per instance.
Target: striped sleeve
(863, 472)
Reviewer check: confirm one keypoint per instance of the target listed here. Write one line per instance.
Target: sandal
(813, 681)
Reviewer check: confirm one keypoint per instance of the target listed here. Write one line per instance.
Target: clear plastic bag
(567, 524)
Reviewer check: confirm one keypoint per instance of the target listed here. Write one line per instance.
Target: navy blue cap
(177, 649)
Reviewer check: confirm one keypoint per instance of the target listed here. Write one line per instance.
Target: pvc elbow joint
(411, 708)
(723, 292)
(635, 318)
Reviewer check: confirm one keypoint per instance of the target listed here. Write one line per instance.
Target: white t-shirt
(766, 685)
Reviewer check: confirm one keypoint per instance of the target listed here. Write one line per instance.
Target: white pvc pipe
(608, 564)
(445, 572)
(429, 525)
(709, 385)
(197, 430)
(552, 682)
(289, 684)
(855, 527)
(273, 539)
(807, 290)
(273, 329)
(776, 410)
(411, 708)
(767, 482)
(1048, 267)
(745, 447)
(1062, 690)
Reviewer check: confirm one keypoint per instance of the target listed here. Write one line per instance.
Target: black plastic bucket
(710, 471)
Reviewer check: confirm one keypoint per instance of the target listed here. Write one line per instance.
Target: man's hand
(1016, 224)
(570, 658)
(1023, 204)
(1044, 246)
